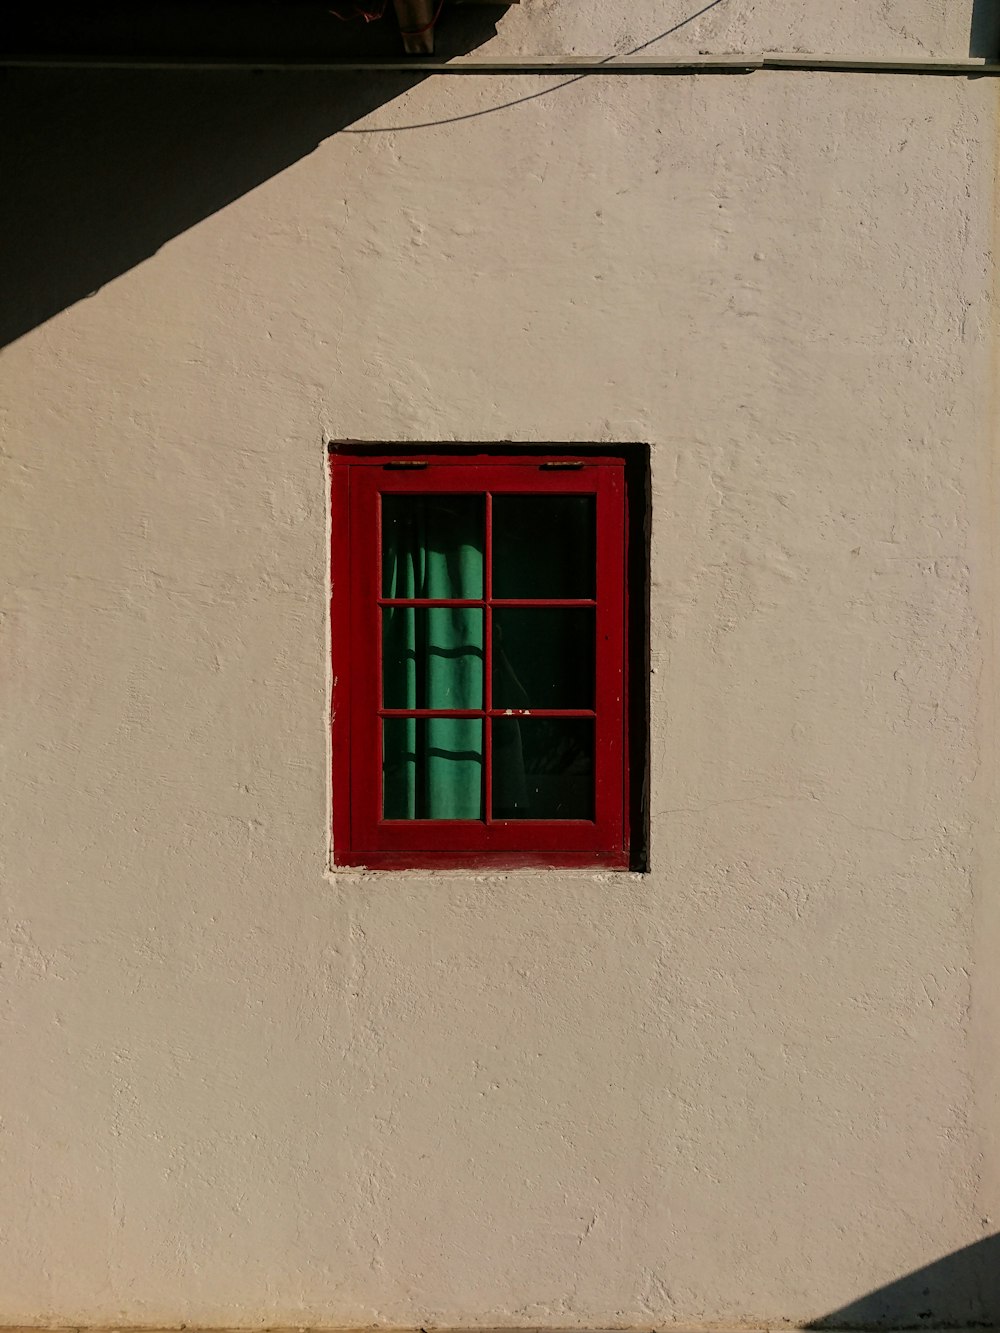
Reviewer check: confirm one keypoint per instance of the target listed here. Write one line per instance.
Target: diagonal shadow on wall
(962, 1290)
(101, 167)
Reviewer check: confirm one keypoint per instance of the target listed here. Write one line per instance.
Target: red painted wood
(543, 601)
(431, 601)
(366, 654)
(488, 664)
(493, 712)
(340, 644)
(480, 601)
(627, 717)
(609, 702)
(528, 860)
(361, 836)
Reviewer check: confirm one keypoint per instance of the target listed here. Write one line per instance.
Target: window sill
(362, 875)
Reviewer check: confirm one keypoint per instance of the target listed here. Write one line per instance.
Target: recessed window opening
(481, 639)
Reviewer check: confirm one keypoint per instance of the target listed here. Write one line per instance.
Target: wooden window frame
(361, 837)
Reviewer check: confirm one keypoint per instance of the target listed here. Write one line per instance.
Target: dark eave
(219, 33)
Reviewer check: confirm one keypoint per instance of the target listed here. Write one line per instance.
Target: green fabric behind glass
(432, 657)
(432, 768)
(432, 545)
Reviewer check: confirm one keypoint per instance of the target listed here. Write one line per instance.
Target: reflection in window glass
(543, 768)
(543, 546)
(543, 657)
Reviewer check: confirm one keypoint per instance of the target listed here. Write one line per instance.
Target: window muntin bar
(451, 650)
(481, 601)
(493, 712)
(487, 666)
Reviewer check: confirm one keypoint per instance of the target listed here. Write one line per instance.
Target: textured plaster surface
(751, 1085)
(889, 28)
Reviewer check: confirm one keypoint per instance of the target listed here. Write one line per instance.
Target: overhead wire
(543, 92)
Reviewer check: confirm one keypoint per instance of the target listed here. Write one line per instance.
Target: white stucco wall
(893, 28)
(751, 1085)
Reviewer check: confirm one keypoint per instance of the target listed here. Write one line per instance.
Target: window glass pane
(432, 657)
(543, 546)
(543, 657)
(543, 768)
(432, 545)
(432, 768)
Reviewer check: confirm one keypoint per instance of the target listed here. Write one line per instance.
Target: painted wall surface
(751, 1085)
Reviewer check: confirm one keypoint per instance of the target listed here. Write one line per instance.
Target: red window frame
(361, 837)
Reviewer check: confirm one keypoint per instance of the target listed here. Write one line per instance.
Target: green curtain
(432, 657)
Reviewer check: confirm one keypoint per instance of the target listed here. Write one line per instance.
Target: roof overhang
(219, 33)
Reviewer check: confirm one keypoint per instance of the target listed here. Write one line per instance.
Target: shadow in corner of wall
(960, 1291)
(100, 167)
(984, 35)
